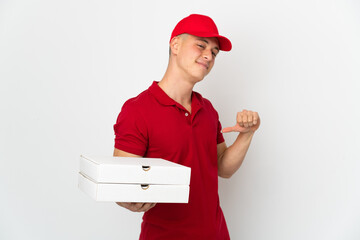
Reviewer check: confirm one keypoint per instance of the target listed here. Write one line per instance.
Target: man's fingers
(124, 204)
(146, 207)
(239, 119)
(130, 206)
(255, 118)
(136, 206)
(245, 120)
(250, 119)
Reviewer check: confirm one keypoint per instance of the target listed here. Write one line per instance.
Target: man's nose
(207, 54)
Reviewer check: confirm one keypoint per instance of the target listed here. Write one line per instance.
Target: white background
(66, 68)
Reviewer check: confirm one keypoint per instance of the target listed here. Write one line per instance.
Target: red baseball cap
(201, 26)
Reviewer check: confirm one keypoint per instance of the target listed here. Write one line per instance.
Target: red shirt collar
(163, 98)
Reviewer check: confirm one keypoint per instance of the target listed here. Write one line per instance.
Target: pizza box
(117, 192)
(109, 169)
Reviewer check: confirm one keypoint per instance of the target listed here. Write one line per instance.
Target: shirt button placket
(188, 119)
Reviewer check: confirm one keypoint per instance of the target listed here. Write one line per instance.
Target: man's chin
(198, 79)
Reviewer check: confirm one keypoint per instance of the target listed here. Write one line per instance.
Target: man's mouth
(206, 66)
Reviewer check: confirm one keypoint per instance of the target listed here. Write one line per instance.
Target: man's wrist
(246, 135)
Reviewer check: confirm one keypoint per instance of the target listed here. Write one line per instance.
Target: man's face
(196, 55)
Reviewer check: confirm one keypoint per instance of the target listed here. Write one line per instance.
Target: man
(171, 121)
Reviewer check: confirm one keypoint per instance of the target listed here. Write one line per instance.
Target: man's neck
(178, 89)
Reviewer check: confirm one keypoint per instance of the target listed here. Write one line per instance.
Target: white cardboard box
(116, 192)
(125, 179)
(134, 170)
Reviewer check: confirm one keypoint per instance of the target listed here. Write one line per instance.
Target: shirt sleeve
(220, 137)
(130, 131)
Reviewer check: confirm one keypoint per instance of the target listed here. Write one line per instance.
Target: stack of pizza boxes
(126, 179)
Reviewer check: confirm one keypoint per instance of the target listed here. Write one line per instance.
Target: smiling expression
(196, 56)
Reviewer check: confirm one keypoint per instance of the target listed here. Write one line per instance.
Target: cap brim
(224, 43)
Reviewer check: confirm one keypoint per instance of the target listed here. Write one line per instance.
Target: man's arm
(120, 153)
(135, 207)
(231, 158)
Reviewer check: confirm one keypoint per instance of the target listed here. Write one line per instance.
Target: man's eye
(214, 54)
(202, 46)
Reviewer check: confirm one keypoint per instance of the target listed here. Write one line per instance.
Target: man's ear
(175, 44)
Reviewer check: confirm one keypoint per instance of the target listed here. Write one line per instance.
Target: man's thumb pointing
(227, 129)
